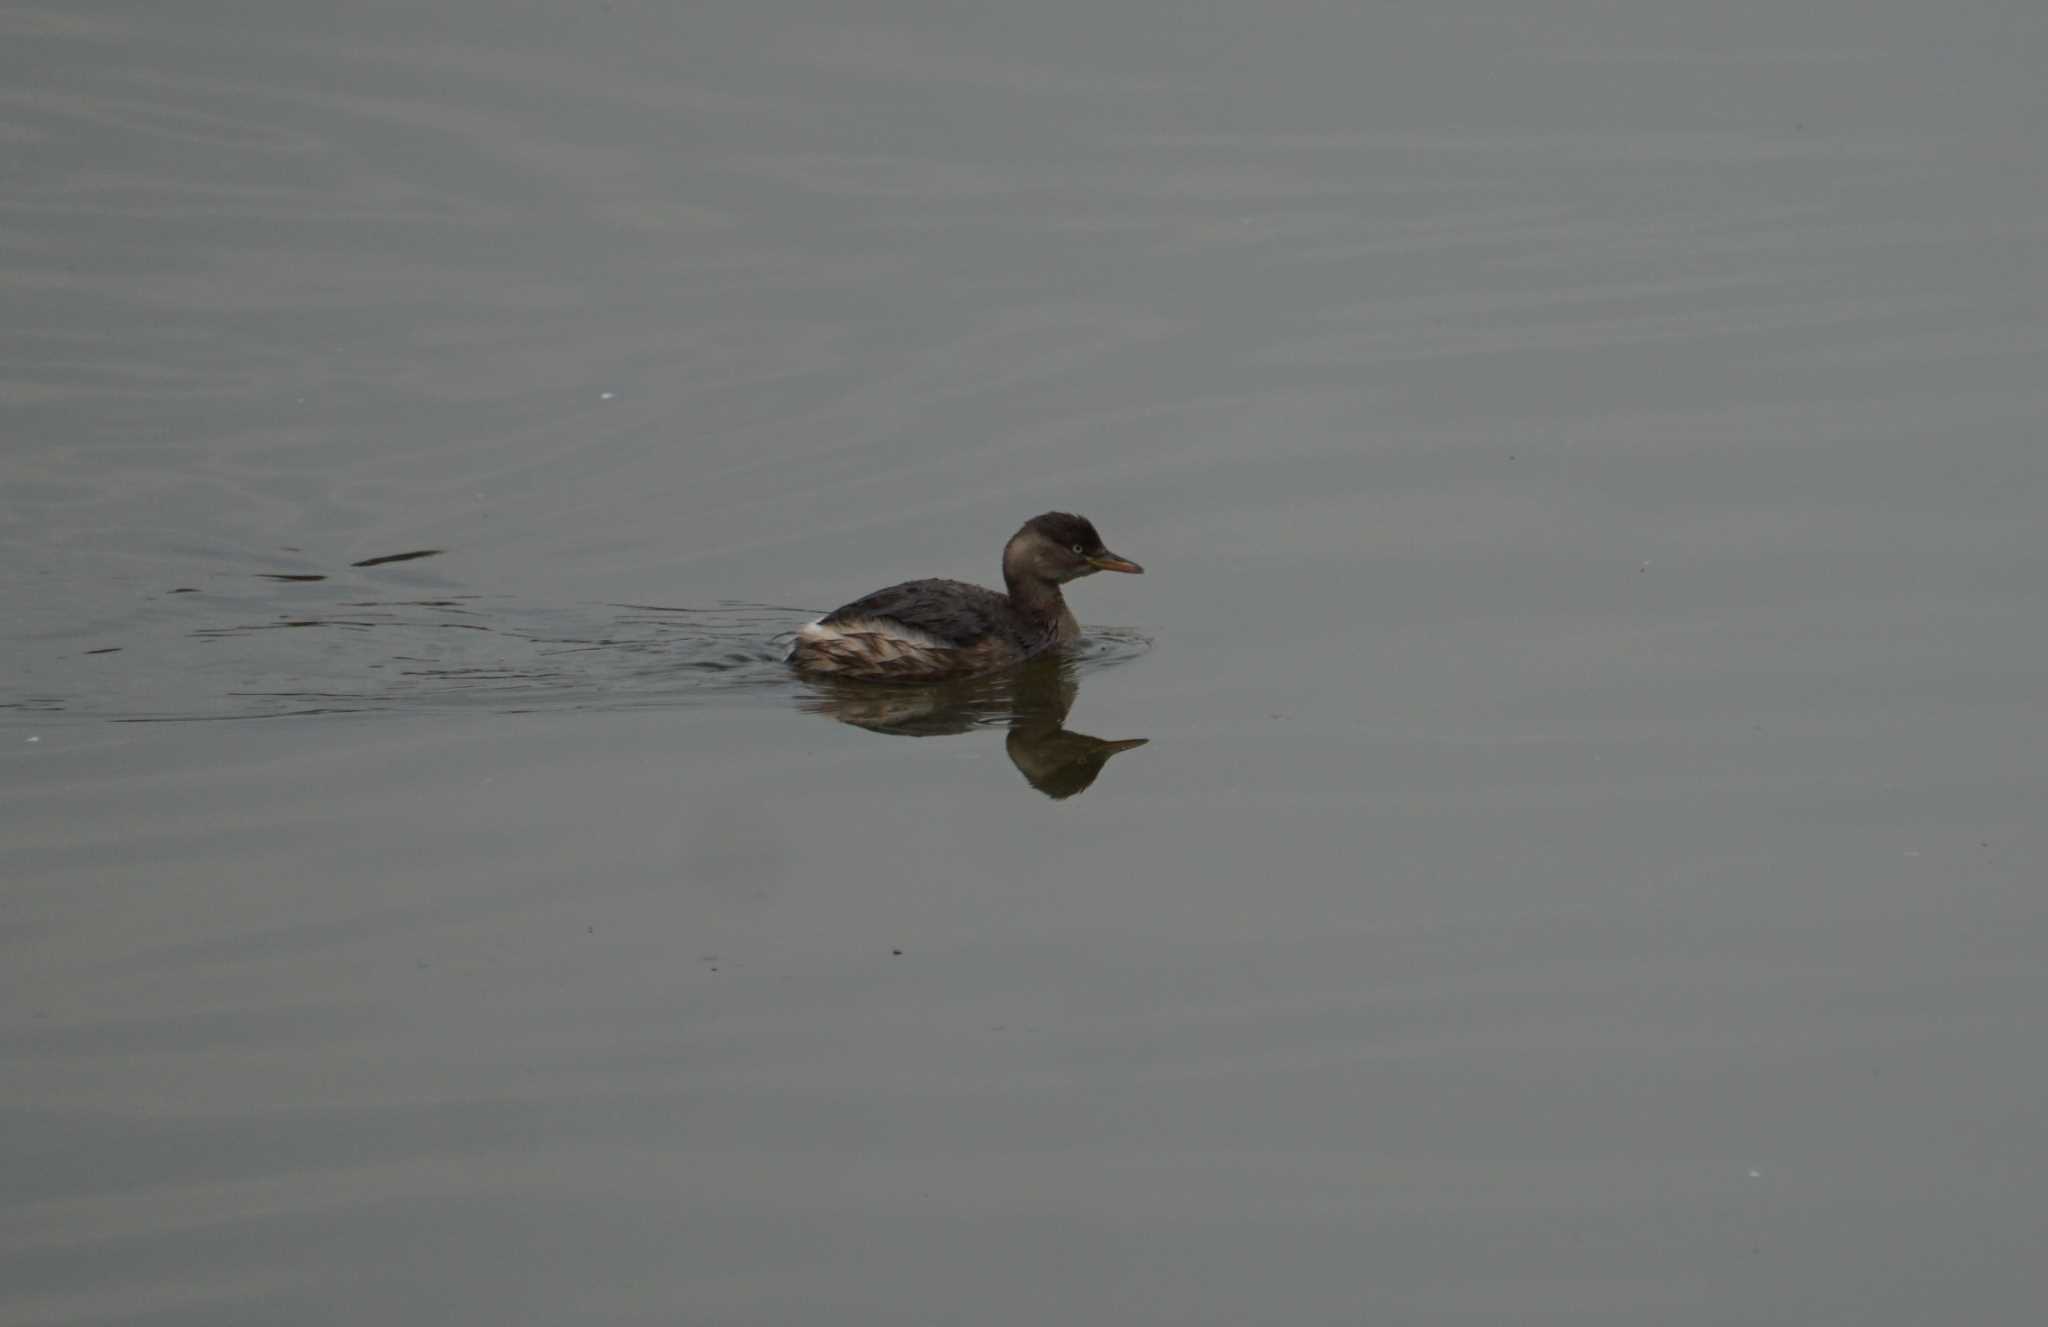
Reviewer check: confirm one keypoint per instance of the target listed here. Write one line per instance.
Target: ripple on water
(275, 649)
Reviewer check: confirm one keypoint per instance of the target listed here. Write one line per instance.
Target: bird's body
(927, 629)
(930, 630)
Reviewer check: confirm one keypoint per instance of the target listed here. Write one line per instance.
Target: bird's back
(952, 613)
(919, 630)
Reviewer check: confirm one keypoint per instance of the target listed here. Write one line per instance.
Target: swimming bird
(923, 631)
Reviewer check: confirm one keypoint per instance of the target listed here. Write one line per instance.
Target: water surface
(1582, 863)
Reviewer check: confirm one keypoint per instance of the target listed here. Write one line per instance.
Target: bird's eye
(1080, 551)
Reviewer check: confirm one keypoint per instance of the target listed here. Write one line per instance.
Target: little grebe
(926, 631)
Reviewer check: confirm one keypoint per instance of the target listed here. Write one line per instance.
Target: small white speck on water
(34, 739)
(607, 396)
(1756, 1174)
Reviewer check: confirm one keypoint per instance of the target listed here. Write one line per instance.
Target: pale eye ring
(1079, 551)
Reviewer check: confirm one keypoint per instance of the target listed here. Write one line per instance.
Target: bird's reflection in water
(1032, 699)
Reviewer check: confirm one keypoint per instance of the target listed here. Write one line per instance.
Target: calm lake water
(1555, 837)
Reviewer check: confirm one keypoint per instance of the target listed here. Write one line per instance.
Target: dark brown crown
(1066, 529)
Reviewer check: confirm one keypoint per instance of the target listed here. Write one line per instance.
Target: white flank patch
(819, 633)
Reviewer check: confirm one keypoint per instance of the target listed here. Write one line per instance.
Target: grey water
(1554, 837)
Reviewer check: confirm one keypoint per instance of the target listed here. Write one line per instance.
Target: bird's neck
(1040, 602)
